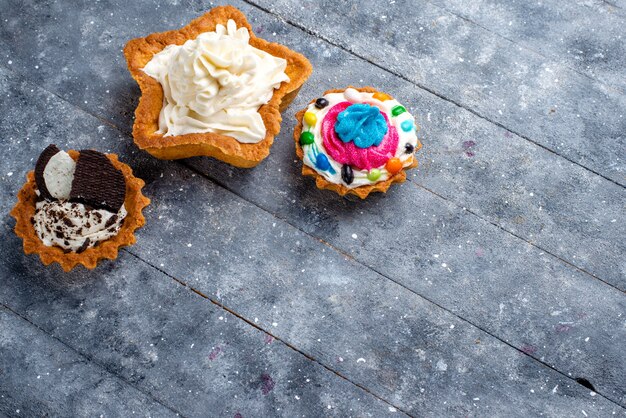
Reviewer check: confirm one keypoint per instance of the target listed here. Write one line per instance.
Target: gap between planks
(220, 184)
(91, 360)
(266, 332)
(425, 88)
(518, 44)
(459, 206)
(379, 273)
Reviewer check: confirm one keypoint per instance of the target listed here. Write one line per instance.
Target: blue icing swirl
(362, 124)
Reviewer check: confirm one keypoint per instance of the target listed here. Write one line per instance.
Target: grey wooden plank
(588, 38)
(245, 182)
(390, 340)
(78, 48)
(40, 376)
(138, 323)
(614, 6)
(541, 100)
(291, 198)
(527, 191)
(169, 342)
(519, 200)
(371, 330)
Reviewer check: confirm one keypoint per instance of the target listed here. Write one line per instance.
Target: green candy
(398, 110)
(373, 175)
(307, 138)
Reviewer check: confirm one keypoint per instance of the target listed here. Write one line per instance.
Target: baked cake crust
(322, 183)
(24, 211)
(140, 51)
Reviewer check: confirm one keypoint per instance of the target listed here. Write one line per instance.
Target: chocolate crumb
(84, 246)
(111, 221)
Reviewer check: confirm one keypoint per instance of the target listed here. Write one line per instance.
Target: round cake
(356, 141)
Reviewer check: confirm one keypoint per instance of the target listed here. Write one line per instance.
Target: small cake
(356, 141)
(78, 207)
(212, 88)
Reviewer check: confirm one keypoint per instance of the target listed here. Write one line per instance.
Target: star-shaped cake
(212, 88)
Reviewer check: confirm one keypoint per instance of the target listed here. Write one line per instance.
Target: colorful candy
(397, 110)
(321, 103)
(321, 162)
(373, 175)
(307, 138)
(379, 95)
(310, 118)
(394, 165)
(407, 125)
(347, 175)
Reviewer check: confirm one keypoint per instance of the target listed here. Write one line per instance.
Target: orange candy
(379, 95)
(394, 165)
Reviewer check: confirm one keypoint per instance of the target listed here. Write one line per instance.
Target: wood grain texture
(568, 205)
(586, 36)
(41, 376)
(486, 285)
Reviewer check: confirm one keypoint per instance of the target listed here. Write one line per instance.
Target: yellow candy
(310, 118)
(381, 96)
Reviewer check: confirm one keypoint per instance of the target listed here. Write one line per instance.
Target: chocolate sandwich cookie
(97, 183)
(54, 172)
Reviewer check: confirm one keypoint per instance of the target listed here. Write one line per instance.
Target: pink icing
(347, 152)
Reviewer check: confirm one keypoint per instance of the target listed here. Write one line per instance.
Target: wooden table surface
(489, 284)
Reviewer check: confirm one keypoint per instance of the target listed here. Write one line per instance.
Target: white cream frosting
(69, 225)
(216, 83)
(360, 176)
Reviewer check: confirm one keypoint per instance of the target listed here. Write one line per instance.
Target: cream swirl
(216, 83)
(74, 226)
